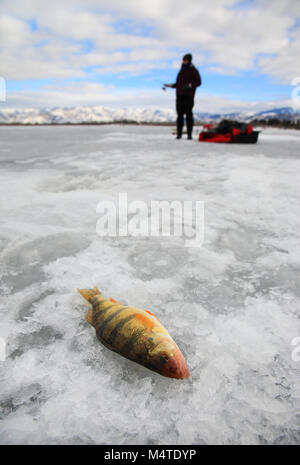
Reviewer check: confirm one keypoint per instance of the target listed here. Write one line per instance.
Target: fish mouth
(185, 372)
(177, 366)
(181, 370)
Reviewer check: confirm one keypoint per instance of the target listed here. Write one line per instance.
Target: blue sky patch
(33, 25)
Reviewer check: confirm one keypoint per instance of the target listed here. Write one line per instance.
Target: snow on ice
(232, 305)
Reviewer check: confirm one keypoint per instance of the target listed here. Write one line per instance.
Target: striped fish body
(135, 334)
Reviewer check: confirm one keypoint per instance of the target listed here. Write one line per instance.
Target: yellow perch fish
(135, 334)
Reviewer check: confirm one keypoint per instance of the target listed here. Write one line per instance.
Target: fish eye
(164, 358)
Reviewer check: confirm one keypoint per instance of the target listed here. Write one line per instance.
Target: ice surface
(232, 305)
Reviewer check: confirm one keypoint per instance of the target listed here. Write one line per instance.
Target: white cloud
(285, 66)
(229, 38)
(221, 37)
(14, 32)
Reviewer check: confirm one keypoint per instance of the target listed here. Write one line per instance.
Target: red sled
(229, 132)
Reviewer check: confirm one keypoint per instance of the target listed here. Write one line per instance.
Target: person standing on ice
(187, 80)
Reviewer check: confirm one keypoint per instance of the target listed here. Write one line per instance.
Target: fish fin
(148, 322)
(89, 293)
(152, 314)
(114, 301)
(89, 316)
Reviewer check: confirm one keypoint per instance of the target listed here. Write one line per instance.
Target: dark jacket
(187, 80)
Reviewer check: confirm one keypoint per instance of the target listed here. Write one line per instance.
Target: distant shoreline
(255, 123)
(96, 123)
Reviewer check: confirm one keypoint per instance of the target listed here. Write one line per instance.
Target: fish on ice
(135, 334)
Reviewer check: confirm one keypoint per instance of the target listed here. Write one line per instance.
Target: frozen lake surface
(231, 305)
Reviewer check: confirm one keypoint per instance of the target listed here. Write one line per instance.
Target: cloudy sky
(119, 52)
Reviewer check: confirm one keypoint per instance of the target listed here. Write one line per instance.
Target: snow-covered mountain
(284, 114)
(84, 114)
(99, 114)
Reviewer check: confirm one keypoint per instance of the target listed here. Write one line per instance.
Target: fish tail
(89, 293)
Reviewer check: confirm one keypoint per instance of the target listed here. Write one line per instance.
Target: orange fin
(114, 301)
(152, 314)
(148, 322)
(148, 311)
(89, 293)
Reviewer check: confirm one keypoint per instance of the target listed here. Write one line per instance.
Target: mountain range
(100, 114)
